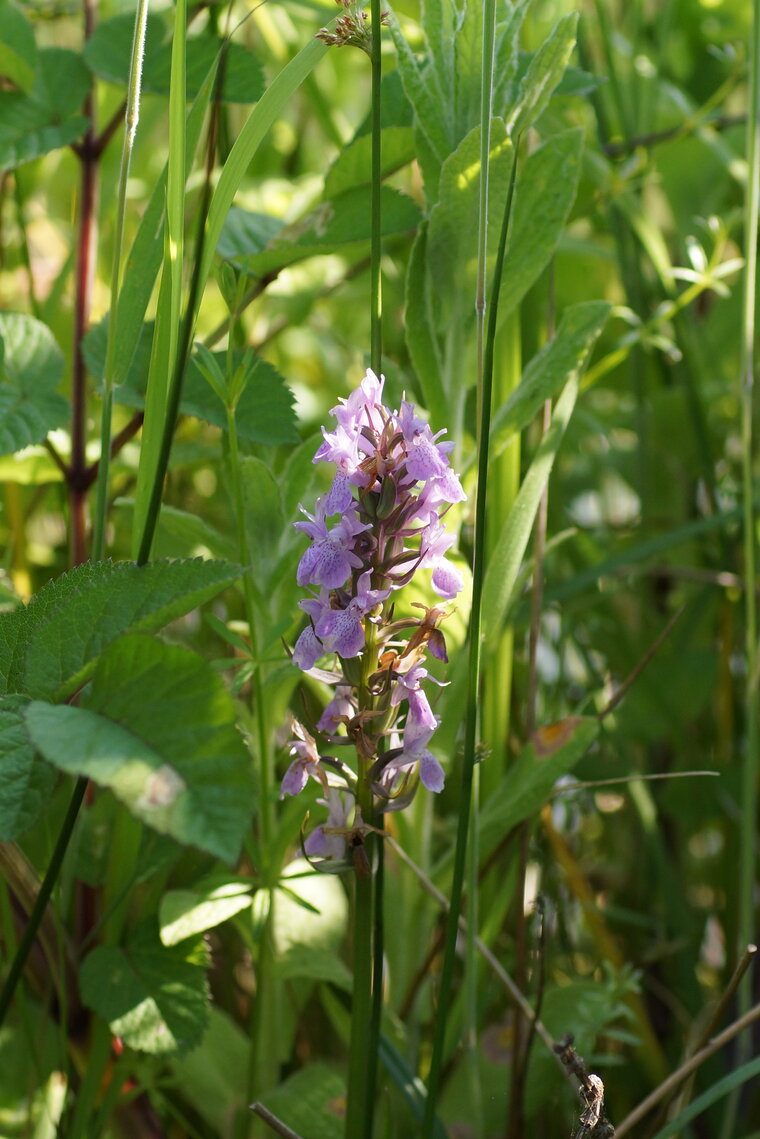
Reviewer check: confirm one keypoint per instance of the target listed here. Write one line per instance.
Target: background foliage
(186, 967)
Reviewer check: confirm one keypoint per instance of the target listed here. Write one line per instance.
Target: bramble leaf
(159, 731)
(155, 998)
(31, 367)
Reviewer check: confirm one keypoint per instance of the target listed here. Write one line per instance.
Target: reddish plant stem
(85, 266)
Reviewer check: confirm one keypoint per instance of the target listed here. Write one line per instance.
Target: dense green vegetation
(183, 300)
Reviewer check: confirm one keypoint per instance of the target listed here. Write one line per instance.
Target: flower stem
(132, 117)
(43, 897)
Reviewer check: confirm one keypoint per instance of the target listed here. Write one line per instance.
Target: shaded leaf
(332, 224)
(108, 53)
(353, 165)
(160, 732)
(311, 1102)
(32, 367)
(18, 51)
(26, 781)
(264, 413)
(314, 964)
(48, 117)
(49, 648)
(155, 998)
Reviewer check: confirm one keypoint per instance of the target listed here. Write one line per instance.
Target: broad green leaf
(191, 532)
(563, 358)
(214, 1078)
(26, 781)
(465, 78)
(186, 913)
(31, 368)
(108, 50)
(551, 753)
(504, 564)
(248, 231)
(323, 924)
(421, 94)
(159, 731)
(76, 617)
(331, 225)
(264, 413)
(155, 998)
(453, 226)
(545, 191)
(544, 72)
(311, 1102)
(314, 964)
(243, 77)
(107, 54)
(353, 166)
(18, 51)
(264, 517)
(48, 117)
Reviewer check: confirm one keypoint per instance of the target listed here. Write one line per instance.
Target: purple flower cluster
(378, 525)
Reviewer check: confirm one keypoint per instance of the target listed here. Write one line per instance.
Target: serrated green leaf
(26, 781)
(544, 72)
(311, 1102)
(546, 187)
(155, 998)
(565, 356)
(159, 731)
(72, 620)
(504, 564)
(331, 225)
(32, 366)
(552, 752)
(48, 117)
(108, 52)
(18, 51)
(186, 913)
(264, 413)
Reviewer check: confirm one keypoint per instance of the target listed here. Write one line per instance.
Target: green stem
(471, 718)
(751, 759)
(43, 897)
(375, 187)
(362, 1059)
(132, 118)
